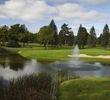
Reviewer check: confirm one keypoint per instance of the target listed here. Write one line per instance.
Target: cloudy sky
(37, 13)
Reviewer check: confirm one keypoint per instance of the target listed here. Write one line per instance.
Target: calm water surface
(14, 66)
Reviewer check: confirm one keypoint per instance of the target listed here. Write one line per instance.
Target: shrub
(13, 43)
(30, 87)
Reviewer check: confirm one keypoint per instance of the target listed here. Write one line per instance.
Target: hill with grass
(85, 89)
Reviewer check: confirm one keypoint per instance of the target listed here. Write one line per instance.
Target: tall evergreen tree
(71, 38)
(109, 41)
(64, 32)
(105, 36)
(54, 27)
(92, 39)
(99, 39)
(82, 36)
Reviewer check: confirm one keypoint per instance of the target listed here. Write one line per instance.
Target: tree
(99, 39)
(14, 33)
(64, 32)
(24, 37)
(109, 41)
(92, 39)
(3, 34)
(82, 36)
(45, 35)
(61, 39)
(105, 36)
(54, 27)
(71, 38)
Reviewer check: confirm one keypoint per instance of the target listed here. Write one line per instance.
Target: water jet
(74, 63)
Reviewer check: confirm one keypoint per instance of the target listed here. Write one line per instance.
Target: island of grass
(85, 89)
(62, 54)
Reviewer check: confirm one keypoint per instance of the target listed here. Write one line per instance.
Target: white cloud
(27, 10)
(95, 2)
(76, 13)
(60, 1)
(40, 10)
(69, 10)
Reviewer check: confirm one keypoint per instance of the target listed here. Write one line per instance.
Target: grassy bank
(40, 53)
(95, 51)
(85, 89)
(51, 55)
(62, 54)
(93, 60)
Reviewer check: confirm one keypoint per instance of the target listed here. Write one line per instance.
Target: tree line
(12, 36)
(49, 36)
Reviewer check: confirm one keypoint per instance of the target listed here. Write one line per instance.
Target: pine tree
(109, 41)
(105, 36)
(92, 39)
(82, 36)
(71, 38)
(64, 32)
(54, 27)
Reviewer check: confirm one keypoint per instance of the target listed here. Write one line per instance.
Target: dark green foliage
(82, 36)
(54, 27)
(3, 34)
(105, 36)
(14, 32)
(13, 43)
(63, 34)
(45, 35)
(71, 38)
(109, 41)
(92, 39)
(25, 37)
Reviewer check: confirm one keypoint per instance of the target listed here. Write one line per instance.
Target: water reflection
(103, 72)
(14, 66)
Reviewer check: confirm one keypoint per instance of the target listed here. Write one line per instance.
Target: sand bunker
(88, 56)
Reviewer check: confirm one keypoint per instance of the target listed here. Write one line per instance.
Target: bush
(30, 87)
(13, 43)
(40, 86)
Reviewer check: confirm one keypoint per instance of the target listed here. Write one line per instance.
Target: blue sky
(37, 13)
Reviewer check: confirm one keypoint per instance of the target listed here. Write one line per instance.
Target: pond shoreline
(56, 55)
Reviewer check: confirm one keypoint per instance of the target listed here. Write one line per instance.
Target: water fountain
(74, 63)
(74, 57)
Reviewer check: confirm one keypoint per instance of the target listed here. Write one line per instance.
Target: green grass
(40, 53)
(62, 54)
(95, 51)
(51, 55)
(85, 89)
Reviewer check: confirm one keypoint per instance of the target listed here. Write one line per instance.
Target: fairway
(62, 54)
(95, 51)
(51, 55)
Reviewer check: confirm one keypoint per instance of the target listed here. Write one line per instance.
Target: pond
(13, 66)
